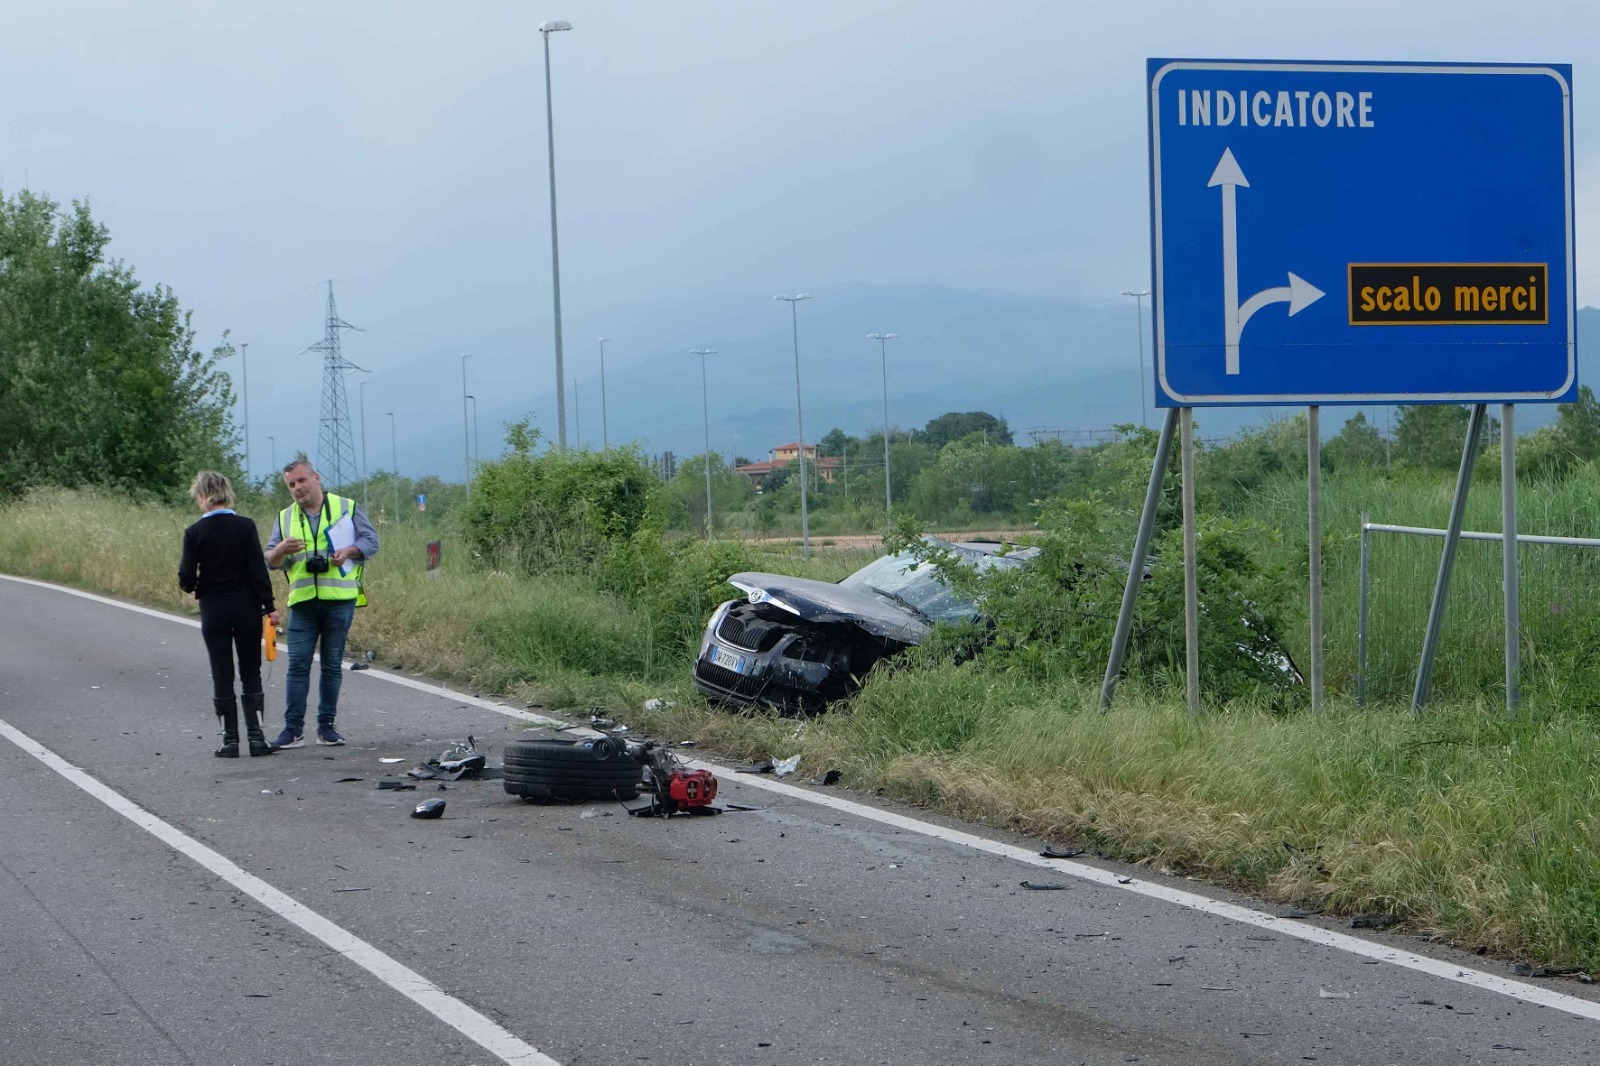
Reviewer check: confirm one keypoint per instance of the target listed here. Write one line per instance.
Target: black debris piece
(1522, 969)
(828, 777)
(1124, 880)
(397, 786)
(1043, 886)
(1061, 853)
(360, 666)
(1375, 921)
(429, 809)
(756, 768)
(739, 807)
(342, 780)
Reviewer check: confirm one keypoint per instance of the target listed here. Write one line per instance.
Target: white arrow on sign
(1298, 294)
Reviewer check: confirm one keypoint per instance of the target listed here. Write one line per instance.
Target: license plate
(726, 659)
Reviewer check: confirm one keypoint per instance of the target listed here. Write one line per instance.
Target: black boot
(253, 702)
(228, 711)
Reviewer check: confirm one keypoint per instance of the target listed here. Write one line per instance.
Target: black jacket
(222, 555)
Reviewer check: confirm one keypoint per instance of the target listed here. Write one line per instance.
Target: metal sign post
(1191, 595)
(1447, 560)
(1509, 557)
(1314, 564)
(1141, 551)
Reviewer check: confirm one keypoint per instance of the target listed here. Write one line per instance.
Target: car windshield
(917, 585)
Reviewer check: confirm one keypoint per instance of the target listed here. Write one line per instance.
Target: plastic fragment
(1061, 853)
(433, 808)
(1042, 886)
(787, 766)
(828, 777)
(1323, 993)
(397, 786)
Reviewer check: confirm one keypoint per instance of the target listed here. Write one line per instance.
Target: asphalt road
(163, 906)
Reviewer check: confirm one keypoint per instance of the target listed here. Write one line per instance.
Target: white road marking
(469, 1023)
(1314, 934)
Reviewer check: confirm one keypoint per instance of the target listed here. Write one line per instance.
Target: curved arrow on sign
(1298, 294)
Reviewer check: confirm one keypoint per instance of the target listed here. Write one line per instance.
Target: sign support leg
(1509, 560)
(1314, 480)
(1191, 598)
(1361, 612)
(1447, 561)
(1141, 550)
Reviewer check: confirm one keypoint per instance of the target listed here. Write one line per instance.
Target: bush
(558, 511)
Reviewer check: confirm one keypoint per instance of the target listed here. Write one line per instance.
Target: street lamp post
(705, 411)
(883, 340)
(466, 440)
(605, 439)
(546, 29)
(394, 467)
(1138, 303)
(244, 375)
(361, 392)
(799, 417)
(272, 442)
(477, 456)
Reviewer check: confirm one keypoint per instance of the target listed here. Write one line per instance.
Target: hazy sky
(242, 155)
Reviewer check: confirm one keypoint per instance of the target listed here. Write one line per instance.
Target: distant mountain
(1063, 364)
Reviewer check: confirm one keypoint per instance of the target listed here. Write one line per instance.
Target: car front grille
(722, 678)
(732, 630)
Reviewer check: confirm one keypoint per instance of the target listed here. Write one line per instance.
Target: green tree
(1429, 436)
(956, 425)
(1579, 425)
(100, 383)
(1357, 444)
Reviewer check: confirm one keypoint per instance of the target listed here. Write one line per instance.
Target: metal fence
(1560, 627)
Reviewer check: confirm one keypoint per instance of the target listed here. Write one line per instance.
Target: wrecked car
(796, 644)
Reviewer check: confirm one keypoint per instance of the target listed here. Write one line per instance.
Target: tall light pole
(272, 442)
(466, 440)
(605, 439)
(546, 29)
(394, 464)
(361, 392)
(705, 410)
(1138, 303)
(799, 417)
(883, 340)
(476, 455)
(244, 376)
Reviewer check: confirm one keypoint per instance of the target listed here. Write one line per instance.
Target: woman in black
(224, 567)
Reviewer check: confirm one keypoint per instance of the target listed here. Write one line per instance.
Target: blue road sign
(1329, 233)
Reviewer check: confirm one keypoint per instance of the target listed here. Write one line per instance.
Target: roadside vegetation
(575, 581)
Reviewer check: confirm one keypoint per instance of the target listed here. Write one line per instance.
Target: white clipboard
(342, 534)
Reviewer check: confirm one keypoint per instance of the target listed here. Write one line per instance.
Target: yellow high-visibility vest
(303, 584)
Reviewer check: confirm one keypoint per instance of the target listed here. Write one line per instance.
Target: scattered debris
(360, 666)
(1217, 988)
(395, 759)
(342, 780)
(397, 786)
(1522, 969)
(1042, 886)
(756, 768)
(1295, 912)
(674, 788)
(1375, 921)
(1061, 853)
(353, 889)
(462, 759)
(1323, 993)
(658, 704)
(739, 807)
(1124, 880)
(688, 743)
(433, 808)
(369, 655)
(787, 766)
(828, 777)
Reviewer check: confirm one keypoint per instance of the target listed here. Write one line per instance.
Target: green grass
(1471, 825)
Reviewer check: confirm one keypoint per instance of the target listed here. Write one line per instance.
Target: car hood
(823, 601)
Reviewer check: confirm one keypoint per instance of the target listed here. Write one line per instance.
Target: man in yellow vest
(321, 541)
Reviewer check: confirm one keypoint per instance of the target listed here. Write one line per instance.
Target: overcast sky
(243, 154)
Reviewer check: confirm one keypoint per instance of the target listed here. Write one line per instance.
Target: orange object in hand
(269, 634)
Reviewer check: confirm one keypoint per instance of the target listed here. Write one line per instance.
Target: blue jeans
(329, 621)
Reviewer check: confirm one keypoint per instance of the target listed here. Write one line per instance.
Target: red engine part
(691, 788)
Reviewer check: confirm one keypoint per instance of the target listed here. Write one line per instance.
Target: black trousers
(230, 622)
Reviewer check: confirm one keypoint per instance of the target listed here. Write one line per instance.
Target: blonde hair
(212, 489)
